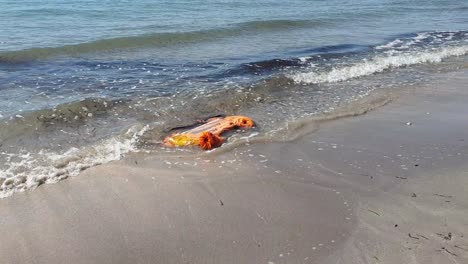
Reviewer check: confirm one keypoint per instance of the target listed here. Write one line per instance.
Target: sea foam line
(31, 170)
(378, 64)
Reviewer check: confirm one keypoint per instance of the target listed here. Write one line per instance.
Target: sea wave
(377, 64)
(404, 50)
(26, 171)
(157, 40)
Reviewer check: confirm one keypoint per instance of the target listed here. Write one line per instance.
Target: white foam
(379, 64)
(422, 36)
(28, 170)
(304, 59)
(390, 44)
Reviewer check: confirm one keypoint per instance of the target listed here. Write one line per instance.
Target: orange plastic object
(208, 135)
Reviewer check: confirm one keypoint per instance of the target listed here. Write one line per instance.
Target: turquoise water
(256, 26)
(84, 82)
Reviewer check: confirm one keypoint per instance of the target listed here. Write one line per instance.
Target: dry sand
(390, 186)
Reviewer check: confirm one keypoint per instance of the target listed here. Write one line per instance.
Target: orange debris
(208, 135)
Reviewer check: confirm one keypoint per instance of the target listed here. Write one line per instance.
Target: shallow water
(84, 82)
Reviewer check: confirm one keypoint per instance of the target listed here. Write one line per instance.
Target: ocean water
(85, 82)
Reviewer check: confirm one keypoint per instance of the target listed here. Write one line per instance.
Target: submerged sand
(386, 187)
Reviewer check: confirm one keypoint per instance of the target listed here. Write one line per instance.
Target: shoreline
(343, 194)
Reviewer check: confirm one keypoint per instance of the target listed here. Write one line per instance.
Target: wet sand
(389, 186)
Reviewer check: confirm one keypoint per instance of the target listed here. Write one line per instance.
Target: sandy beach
(389, 186)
